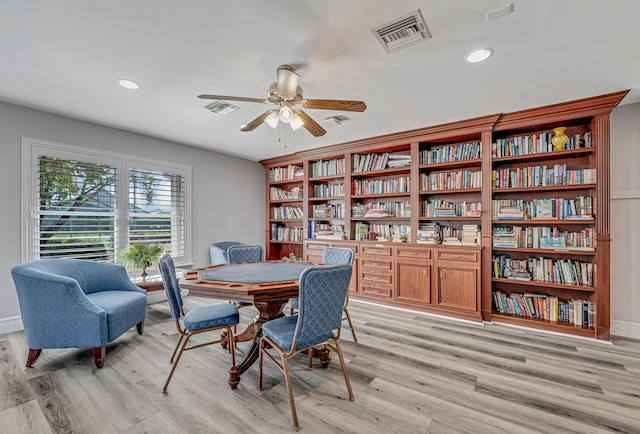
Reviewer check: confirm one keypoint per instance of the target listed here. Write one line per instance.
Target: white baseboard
(10, 325)
(625, 329)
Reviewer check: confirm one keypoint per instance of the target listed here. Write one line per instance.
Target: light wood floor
(410, 373)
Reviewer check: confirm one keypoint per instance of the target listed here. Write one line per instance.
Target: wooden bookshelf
(457, 280)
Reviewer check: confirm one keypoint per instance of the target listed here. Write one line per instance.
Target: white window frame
(33, 148)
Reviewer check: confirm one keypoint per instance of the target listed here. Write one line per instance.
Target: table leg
(268, 310)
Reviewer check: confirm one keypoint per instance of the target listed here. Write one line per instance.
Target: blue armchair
(218, 251)
(75, 303)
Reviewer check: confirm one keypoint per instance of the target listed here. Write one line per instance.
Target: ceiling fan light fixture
(273, 119)
(285, 113)
(296, 123)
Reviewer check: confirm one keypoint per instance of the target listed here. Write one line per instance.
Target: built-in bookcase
(522, 227)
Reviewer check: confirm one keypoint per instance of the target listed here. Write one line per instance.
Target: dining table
(268, 285)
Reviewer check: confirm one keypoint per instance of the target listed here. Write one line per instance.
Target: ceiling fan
(286, 95)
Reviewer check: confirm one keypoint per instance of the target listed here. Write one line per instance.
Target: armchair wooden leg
(32, 357)
(140, 327)
(98, 356)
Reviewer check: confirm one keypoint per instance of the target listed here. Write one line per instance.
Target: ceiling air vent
(220, 107)
(402, 32)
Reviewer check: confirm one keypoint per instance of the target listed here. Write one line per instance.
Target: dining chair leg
(353, 331)
(175, 350)
(344, 369)
(175, 365)
(287, 379)
(231, 339)
(260, 359)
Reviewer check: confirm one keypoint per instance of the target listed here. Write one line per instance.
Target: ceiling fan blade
(334, 104)
(287, 80)
(232, 98)
(310, 125)
(257, 121)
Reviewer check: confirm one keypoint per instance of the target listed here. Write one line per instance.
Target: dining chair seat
(208, 317)
(282, 330)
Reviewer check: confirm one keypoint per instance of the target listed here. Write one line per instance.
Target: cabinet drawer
(376, 263)
(377, 278)
(377, 289)
(376, 250)
(458, 255)
(413, 252)
(317, 246)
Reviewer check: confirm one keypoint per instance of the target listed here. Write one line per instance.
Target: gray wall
(227, 202)
(228, 197)
(625, 221)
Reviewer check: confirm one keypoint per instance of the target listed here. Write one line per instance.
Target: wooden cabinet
(413, 270)
(457, 280)
(454, 179)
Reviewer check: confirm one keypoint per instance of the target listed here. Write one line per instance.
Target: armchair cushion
(218, 251)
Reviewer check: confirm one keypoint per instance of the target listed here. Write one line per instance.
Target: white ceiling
(65, 56)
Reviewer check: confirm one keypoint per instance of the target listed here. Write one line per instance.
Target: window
(90, 205)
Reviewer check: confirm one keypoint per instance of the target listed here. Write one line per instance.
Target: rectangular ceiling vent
(220, 107)
(402, 32)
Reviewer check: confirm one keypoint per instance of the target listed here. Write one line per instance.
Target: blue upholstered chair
(335, 255)
(218, 251)
(323, 290)
(75, 303)
(244, 254)
(199, 320)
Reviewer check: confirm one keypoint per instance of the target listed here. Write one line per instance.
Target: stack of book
(510, 213)
(444, 212)
(376, 213)
(429, 233)
(505, 236)
(398, 159)
(470, 235)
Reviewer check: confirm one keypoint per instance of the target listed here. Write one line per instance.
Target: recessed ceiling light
(128, 84)
(479, 55)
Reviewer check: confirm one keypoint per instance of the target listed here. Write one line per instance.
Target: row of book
(291, 172)
(434, 233)
(454, 180)
(561, 271)
(543, 237)
(285, 233)
(546, 307)
(381, 186)
(286, 212)
(329, 211)
(330, 189)
(537, 144)
(541, 176)
(321, 230)
(580, 208)
(448, 153)
(276, 193)
(389, 208)
(322, 168)
(445, 208)
(386, 232)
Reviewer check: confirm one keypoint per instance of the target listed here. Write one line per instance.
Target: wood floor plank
(410, 373)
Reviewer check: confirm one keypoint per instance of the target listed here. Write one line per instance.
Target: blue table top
(258, 272)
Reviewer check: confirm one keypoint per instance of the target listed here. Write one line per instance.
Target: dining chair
(243, 253)
(196, 321)
(333, 256)
(322, 292)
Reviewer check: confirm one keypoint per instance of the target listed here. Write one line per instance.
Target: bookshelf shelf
(544, 189)
(544, 156)
(563, 252)
(458, 280)
(456, 191)
(544, 284)
(459, 164)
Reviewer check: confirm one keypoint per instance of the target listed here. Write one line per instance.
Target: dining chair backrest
(323, 290)
(337, 255)
(170, 283)
(244, 254)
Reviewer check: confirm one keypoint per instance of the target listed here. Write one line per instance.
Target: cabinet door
(413, 282)
(456, 287)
